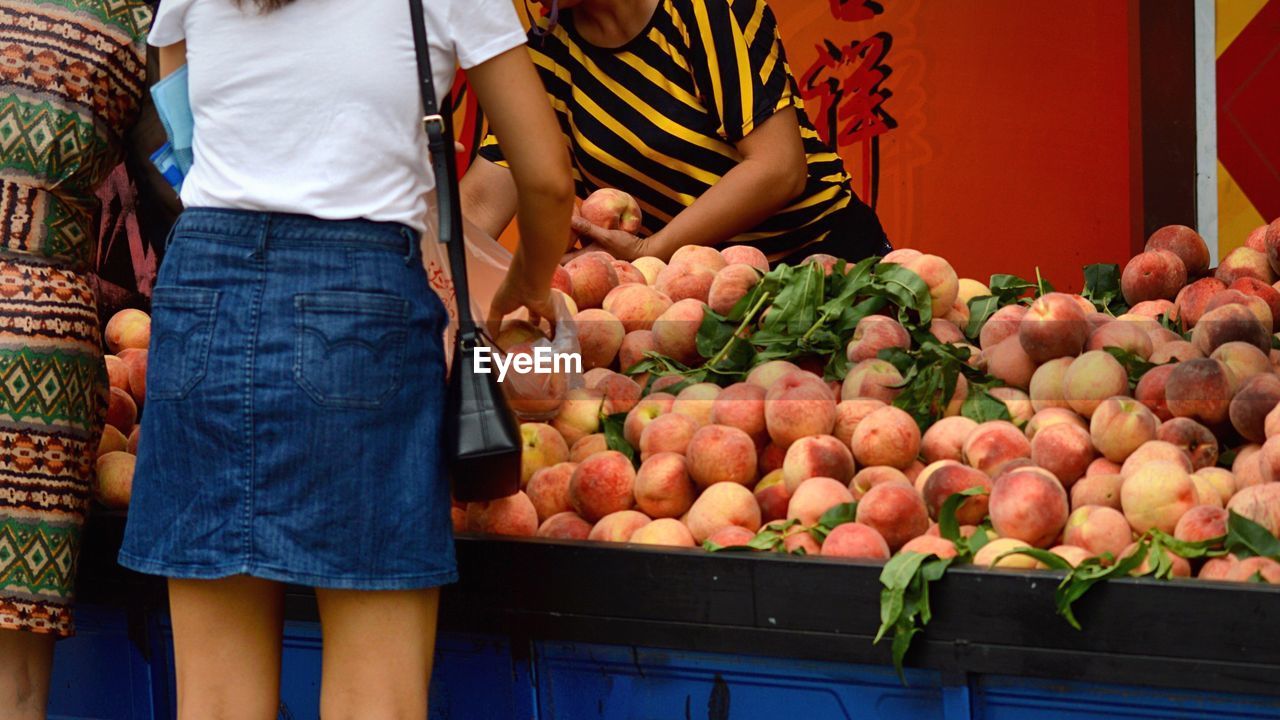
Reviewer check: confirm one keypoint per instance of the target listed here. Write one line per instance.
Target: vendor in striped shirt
(689, 106)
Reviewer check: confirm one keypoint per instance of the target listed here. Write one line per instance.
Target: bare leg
(378, 651)
(26, 660)
(226, 641)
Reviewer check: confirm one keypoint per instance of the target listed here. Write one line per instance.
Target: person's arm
(772, 173)
(488, 196)
(515, 102)
(172, 57)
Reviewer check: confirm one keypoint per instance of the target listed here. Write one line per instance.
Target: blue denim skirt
(294, 408)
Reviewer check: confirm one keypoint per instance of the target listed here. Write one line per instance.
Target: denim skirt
(294, 407)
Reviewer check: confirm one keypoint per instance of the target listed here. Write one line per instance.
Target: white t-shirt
(315, 108)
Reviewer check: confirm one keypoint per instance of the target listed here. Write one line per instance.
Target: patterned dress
(72, 77)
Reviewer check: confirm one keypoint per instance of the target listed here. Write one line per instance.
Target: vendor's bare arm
(488, 196)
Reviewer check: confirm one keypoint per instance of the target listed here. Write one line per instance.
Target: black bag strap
(444, 164)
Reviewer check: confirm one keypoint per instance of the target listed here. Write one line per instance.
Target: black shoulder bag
(482, 437)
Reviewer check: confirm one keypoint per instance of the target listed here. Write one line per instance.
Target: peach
(1193, 300)
(1124, 335)
(134, 437)
(1064, 450)
(649, 267)
(1220, 480)
(579, 414)
(801, 543)
(136, 362)
(1177, 350)
(745, 254)
(663, 488)
(1207, 491)
(1184, 242)
(1008, 361)
(1153, 275)
(815, 496)
(675, 332)
(618, 526)
(930, 545)
(896, 511)
(1258, 289)
(649, 407)
(944, 440)
(948, 480)
(686, 281)
(513, 516)
(766, 374)
(113, 479)
(921, 478)
(621, 393)
(1016, 402)
(122, 411)
(611, 209)
(772, 496)
(112, 441)
(870, 477)
(721, 454)
(731, 536)
(1102, 466)
(1072, 554)
(1156, 451)
(1152, 390)
(968, 289)
(1247, 468)
(771, 458)
(946, 331)
(992, 555)
(851, 412)
(699, 255)
(1121, 425)
(591, 278)
(827, 262)
(1271, 425)
(600, 335)
(1030, 505)
(516, 331)
(1199, 389)
(636, 306)
(1243, 362)
(741, 405)
(669, 433)
(1003, 323)
(1259, 503)
(560, 280)
(1102, 489)
(1098, 529)
(874, 379)
(1271, 241)
(564, 526)
(731, 285)
(542, 446)
(817, 456)
(602, 484)
(1256, 305)
(1050, 417)
(957, 316)
(117, 372)
(696, 402)
(128, 328)
(888, 436)
(901, 256)
(1195, 439)
(1228, 323)
(458, 518)
(1245, 262)
(1181, 568)
(664, 531)
(993, 443)
(937, 273)
(875, 333)
(721, 505)
(628, 274)
(796, 406)
(1092, 378)
(1200, 523)
(855, 540)
(1156, 495)
(1152, 308)
(1053, 327)
(1216, 568)
(1254, 568)
(548, 490)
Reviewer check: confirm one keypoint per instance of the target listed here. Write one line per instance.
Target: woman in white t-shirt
(296, 375)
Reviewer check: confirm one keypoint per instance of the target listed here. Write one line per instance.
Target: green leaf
(1091, 572)
(907, 290)
(1009, 288)
(948, 526)
(615, 439)
(904, 600)
(981, 406)
(838, 515)
(1246, 538)
(1055, 562)
(980, 310)
(1135, 366)
(1102, 288)
(895, 577)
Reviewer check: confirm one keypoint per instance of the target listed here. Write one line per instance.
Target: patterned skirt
(53, 403)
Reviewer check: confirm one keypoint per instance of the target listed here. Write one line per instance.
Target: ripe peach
(1121, 425)
(675, 332)
(696, 401)
(542, 447)
(1008, 361)
(741, 405)
(1184, 242)
(561, 281)
(945, 331)
(1152, 391)
(1199, 389)
(122, 411)
(1003, 323)
(896, 511)
(1124, 335)
(773, 496)
(700, 255)
(825, 261)
(113, 479)
(851, 412)
(731, 285)
(600, 335)
(1152, 308)
(1259, 503)
(1098, 529)
(993, 443)
(1231, 322)
(112, 441)
(1271, 241)
(817, 456)
(1153, 275)
(1099, 489)
(990, 555)
(870, 477)
(1202, 522)
(948, 480)
(766, 374)
(875, 379)
(579, 414)
(746, 254)
(686, 281)
(591, 278)
(1193, 300)
(117, 372)
(458, 518)
(618, 526)
(888, 436)
(771, 458)
(663, 488)
(128, 328)
(968, 289)
(513, 516)
(930, 545)
(1220, 480)
(1156, 451)
(1030, 505)
(1156, 495)
(1072, 554)
(1258, 289)
(855, 540)
(670, 432)
(564, 526)
(815, 496)
(636, 306)
(664, 531)
(1064, 450)
(1016, 402)
(1050, 417)
(721, 454)
(621, 393)
(875, 333)
(516, 331)
(602, 484)
(1092, 378)
(1216, 568)
(548, 490)
(135, 361)
(1177, 350)
(921, 478)
(1053, 327)
(1243, 362)
(721, 505)
(901, 256)
(1102, 466)
(650, 407)
(1244, 262)
(937, 273)
(1195, 439)
(1250, 569)
(649, 267)
(796, 406)
(944, 440)
(628, 274)
(1256, 305)
(1246, 469)
(611, 209)
(731, 536)
(801, 543)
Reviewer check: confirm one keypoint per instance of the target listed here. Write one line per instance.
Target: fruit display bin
(537, 629)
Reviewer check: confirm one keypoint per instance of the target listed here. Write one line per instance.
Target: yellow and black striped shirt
(659, 116)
